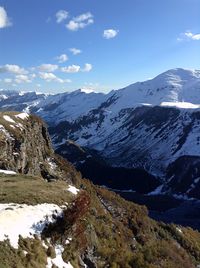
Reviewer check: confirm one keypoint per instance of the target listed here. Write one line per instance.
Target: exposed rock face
(150, 138)
(25, 147)
(183, 176)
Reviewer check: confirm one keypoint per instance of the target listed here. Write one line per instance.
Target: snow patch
(157, 191)
(9, 172)
(22, 116)
(51, 164)
(87, 90)
(19, 125)
(72, 189)
(193, 185)
(182, 105)
(8, 118)
(6, 133)
(58, 260)
(25, 220)
(179, 230)
(183, 197)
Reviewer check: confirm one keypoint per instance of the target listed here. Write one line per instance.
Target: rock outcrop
(25, 148)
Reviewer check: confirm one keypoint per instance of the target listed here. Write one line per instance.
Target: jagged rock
(25, 148)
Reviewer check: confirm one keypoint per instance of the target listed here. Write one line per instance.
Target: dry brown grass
(32, 190)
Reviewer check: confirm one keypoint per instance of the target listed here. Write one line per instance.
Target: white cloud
(76, 68)
(110, 33)
(48, 67)
(188, 35)
(61, 15)
(72, 26)
(21, 78)
(4, 20)
(75, 51)
(12, 68)
(50, 77)
(80, 22)
(83, 17)
(62, 58)
(87, 67)
(71, 69)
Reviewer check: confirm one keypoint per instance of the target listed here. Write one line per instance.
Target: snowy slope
(177, 85)
(29, 220)
(175, 88)
(69, 106)
(147, 125)
(19, 101)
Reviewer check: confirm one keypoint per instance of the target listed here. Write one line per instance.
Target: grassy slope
(117, 233)
(23, 189)
(32, 190)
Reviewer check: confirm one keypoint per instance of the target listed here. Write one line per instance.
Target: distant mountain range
(152, 125)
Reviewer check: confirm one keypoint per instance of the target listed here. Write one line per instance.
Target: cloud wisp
(50, 77)
(61, 15)
(48, 67)
(80, 22)
(70, 69)
(75, 51)
(87, 67)
(110, 33)
(76, 68)
(22, 78)
(4, 19)
(62, 58)
(20, 75)
(188, 36)
(13, 69)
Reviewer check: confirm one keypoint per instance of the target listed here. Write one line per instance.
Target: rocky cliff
(25, 147)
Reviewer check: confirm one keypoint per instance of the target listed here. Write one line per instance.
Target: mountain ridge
(147, 125)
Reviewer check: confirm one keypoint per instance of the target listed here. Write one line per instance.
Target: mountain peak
(178, 76)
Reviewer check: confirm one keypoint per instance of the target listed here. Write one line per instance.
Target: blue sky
(115, 43)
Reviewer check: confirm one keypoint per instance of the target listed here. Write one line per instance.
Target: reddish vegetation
(70, 222)
(78, 209)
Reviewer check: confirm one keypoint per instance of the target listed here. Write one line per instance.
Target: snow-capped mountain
(19, 101)
(69, 106)
(176, 87)
(148, 125)
(153, 125)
